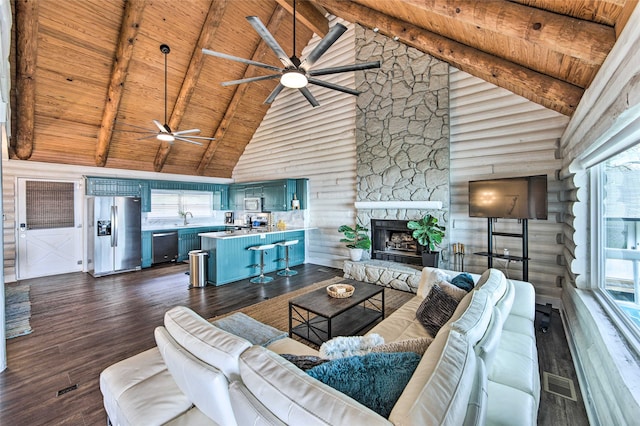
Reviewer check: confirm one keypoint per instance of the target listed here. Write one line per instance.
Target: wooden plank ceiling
(88, 75)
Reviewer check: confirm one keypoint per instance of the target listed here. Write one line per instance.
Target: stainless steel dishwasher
(165, 247)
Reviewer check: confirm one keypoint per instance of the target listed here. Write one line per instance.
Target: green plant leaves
(427, 231)
(356, 238)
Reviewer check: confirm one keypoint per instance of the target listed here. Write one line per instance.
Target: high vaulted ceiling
(85, 71)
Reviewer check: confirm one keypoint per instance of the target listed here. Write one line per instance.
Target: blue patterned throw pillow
(464, 281)
(375, 380)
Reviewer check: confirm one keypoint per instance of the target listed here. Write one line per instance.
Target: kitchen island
(230, 260)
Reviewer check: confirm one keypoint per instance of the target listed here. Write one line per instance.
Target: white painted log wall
(296, 140)
(495, 134)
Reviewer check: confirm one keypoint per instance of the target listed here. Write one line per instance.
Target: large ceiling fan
(164, 132)
(296, 74)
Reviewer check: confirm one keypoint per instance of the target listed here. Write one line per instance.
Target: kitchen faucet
(185, 217)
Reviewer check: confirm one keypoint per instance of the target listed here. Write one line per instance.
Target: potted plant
(429, 235)
(357, 240)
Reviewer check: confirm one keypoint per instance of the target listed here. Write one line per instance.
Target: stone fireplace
(391, 240)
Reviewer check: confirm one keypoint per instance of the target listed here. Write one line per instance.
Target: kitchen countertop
(246, 232)
(177, 227)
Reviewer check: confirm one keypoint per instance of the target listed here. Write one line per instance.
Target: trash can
(198, 268)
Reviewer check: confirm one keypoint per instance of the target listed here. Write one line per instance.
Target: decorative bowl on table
(340, 291)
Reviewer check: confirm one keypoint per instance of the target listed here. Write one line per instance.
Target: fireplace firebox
(392, 240)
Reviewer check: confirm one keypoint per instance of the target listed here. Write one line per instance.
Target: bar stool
(286, 272)
(261, 278)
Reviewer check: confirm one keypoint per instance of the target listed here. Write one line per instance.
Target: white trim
(417, 205)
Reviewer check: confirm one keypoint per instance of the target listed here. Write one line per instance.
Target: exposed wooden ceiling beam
(308, 15)
(27, 52)
(211, 25)
(586, 41)
(124, 51)
(261, 51)
(542, 89)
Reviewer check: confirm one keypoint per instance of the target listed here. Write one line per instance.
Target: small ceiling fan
(165, 133)
(296, 74)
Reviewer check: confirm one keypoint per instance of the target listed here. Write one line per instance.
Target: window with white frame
(170, 204)
(616, 220)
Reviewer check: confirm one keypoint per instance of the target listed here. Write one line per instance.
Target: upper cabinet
(277, 195)
(101, 186)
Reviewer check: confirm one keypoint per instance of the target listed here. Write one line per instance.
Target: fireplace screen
(392, 240)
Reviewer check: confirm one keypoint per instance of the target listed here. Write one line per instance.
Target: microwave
(253, 205)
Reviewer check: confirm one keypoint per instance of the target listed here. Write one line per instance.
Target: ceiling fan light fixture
(165, 137)
(293, 79)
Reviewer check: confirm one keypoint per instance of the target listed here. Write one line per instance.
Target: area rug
(275, 312)
(17, 310)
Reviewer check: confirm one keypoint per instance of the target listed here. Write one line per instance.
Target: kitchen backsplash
(293, 219)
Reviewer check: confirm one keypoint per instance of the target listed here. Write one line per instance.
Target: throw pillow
(375, 380)
(453, 291)
(344, 346)
(464, 281)
(418, 346)
(304, 362)
(435, 310)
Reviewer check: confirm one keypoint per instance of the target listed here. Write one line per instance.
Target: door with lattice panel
(49, 227)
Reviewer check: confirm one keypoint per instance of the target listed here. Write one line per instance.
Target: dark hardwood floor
(82, 324)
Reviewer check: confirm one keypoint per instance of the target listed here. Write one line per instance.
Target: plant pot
(356, 254)
(430, 258)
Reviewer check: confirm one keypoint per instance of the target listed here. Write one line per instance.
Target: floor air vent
(559, 385)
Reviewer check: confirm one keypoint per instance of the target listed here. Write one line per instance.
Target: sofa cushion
(204, 385)
(439, 390)
(290, 346)
(487, 347)
(204, 340)
(248, 410)
(507, 406)
(418, 345)
(524, 302)
(436, 309)
(494, 282)
(376, 380)
(505, 303)
(402, 324)
(475, 319)
(139, 390)
(297, 398)
(426, 281)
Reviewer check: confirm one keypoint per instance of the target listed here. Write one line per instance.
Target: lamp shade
(293, 79)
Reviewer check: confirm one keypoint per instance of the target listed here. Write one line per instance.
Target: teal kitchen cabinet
(230, 260)
(99, 187)
(236, 197)
(275, 196)
(188, 240)
(147, 250)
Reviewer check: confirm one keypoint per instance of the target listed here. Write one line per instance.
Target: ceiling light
(293, 79)
(165, 137)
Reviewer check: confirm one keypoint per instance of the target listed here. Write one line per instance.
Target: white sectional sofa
(481, 368)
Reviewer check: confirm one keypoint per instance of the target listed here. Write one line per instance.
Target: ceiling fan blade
(250, 79)
(147, 137)
(160, 126)
(307, 94)
(199, 137)
(272, 96)
(334, 86)
(345, 68)
(188, 140)
(263, 32)
(185, 132)
(244, 61)
(334, 34)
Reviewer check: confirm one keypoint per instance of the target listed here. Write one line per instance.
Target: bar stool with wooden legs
(261, 278)
(286, 272)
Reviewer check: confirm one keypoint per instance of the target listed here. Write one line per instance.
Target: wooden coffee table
(318, 317)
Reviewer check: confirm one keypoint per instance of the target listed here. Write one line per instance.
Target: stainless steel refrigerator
(114, 235)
